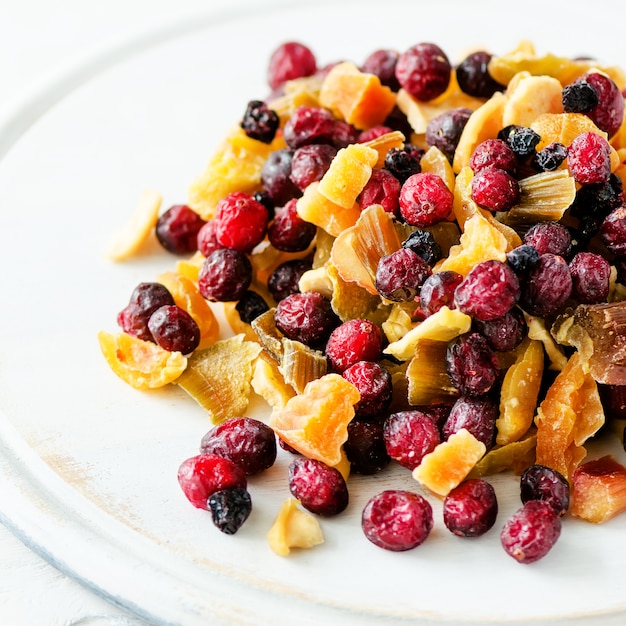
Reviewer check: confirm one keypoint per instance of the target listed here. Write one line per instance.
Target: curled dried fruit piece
(293, 528)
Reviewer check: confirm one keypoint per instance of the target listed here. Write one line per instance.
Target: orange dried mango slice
(316, 208)
(141, 364)
(562, 128)
(316, 422)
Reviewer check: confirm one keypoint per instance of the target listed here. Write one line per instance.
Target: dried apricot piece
(141, 364)
(530, 96)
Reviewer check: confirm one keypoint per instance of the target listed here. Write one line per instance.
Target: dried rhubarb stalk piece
(598, 332)
(598, 490)
(428, 380)
(300, 364)
(570, 413)
(515, 456)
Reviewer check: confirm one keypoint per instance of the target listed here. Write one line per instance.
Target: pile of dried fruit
(422, 264)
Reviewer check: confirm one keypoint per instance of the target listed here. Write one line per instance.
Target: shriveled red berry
(319, 488)
(425, 200)
(241, 221)
(288, 232)
(310, 163)
(477, 415)
(204, 474)
(382, 188)
(493, 153)
(504, 333)
(539, 482)
(471, 364)
(309, 125)
(410, 436)
(488, 291)
(400, 274)
(207, 238)
(549, 237)
(174, 329)
(608, 114)
(589, 158)
(382, 63)
(397, 520)
(374, 133)
(177, 229)
(471, 508)
(344, 134)
(284, 280)
(547, 286)
(424, 71)
(438, 291)
(230, 508)
(145, 299)
(289, 61)
(353, 341)
(531, 532)
(375, 387)
(474, 78)
(495, 190)
(590, 277)
(613, 231)
(248, 442)
(365, 447)
(225, 275)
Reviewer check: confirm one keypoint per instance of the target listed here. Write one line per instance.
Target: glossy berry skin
(613, 231)
(306, 317)
(471, 508)
(145, 299)
(589, 158)
(284, 280)
(230, 508)
(531, 532)
(353, 341)
(204, 474)
(471, 364)
(310, 163)
(546, 287)
(539, 482)
(410, 436)
(444, 131)
(476, 415)
(365, 448)
(425, 200)
(225, 275)
(382, 63)
(241, 222)
(424, 71)
(397, 520)
(438, 291)
(375, 387)
(495, 190)
(308, 125)
(288, 232)
(549, 237)
(489, 291)
(473, 76)
(493, 153)
(177, 229)
(207, 239)
(400, 274)
(382, 188)
(260, 122)
(608, 114)
(319, 488)
(173, 329)
(289, 61)
(590, 277)
(248, 442)
(504, 333)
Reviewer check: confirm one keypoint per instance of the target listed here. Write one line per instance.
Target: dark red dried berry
(471, 508)
(444, 130)
(319, 488)
(546, 287)
(608, 114)
(353, 341)
(173, 329)
(145, 299)
(241, 222)
(289, 61)
(230, 508)
(425, 200)
(375, 387)
(590, 277)
(374, 133)
(284, 280)
(476, 415)
(365, 448)
(438, 291)
(424, 71)
(260, 122)
(225, 275)
(177, 229)
(207, 238)
(471, 364)
(309, 125)
(495, 190)
(531, 532)
(613, 231)
(288, 232)
(275, 177)
(589, 158)
(549, 237)
(474, 78)
(310, 163)
(382, 63)
(539, 482)
(504, 333)
(248, 442)
(204, 474)
(410, 436)
(400, 274)
(382, 188)
(493, 153)
(397, 520)
(344, 134)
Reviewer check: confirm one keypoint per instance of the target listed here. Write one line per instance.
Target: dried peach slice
(141, 364)
(268, 382)
(316, 422)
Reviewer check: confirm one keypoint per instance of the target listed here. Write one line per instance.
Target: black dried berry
(404, 162)
(580, 97)
(522, 258)
(250, 306)
(423, 244)
(260, 122)
(521, 140)
(551, 157)
(230, 508)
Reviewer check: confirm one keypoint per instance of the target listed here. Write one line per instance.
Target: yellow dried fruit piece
(537, 330)
(348, 173)
(570, 413)
(218, 378)
(444, 325)
(384, 143)
(515, 456)
(138, 229)
(268, 382)
(449, 463)
(300, 364)
(426, 376)
(299, 92)
(519, 393)
(435, 162)
(357, 97)
(530, 96)
(190, 268)
(562, 128)
(235, 166)
(142, 364)
(399, 322)
(316, 422)
(294, 528)
(316, 280)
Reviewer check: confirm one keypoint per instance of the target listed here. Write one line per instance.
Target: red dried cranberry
(488, 291)
(353, 341)
(410, 436)
(375, 386)
(493, 153)
(495, 190)
(250, 306)
(225, 275)
(474, 78)
(306, 317)
(310, 163)
(608, 114)
(173, 329)
(365, 448)
(397, 520)
(289, 232)
(471, 508)
(504, 333)
(260, 122)
(275, 177)
(177, 229)
(404, 162)
(424, 71)
(145, 299)
(374, 133)
(589, 158)
(289, 61)
(400, 274)
(284, 280)
(241, 221)
(382, 63)
(438, 291)
(539, 482)
(613, 231)
(590, 277)
(207, 238)
(309, 125)
(547, 286)
(476, 415)
(444, 130)
(471, 364)
(204, 474)
(425, 200)
(437, 412)
(248, 442)
(319, 488)
(382, 188)
(230, 508)
(549, 237)
(531, 532)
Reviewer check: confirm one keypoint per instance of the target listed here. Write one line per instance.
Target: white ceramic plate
(89, 465)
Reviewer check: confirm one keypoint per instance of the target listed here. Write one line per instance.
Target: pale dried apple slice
(268, 382)
(530, 96)
(294, 528)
